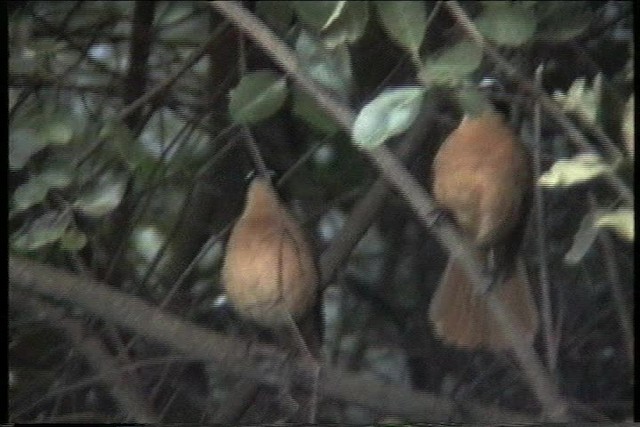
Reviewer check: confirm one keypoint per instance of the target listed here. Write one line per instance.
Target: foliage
(129, 196)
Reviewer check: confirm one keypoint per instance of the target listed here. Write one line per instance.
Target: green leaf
(507, 24)
(23, 143)
(579, 169)
(349, 26)
(621, 221)
(405, 22)
(389, 114)
(559, 21)
(259, 95)
(329, 67)
(35, 190)
(73, 240)
(120, 140)
(43, 231)
(582, 99)
(148, 241)
(102, 199)
(452, 65)
(318, 14)
(583, 239)
(305, 107)
(58, 128)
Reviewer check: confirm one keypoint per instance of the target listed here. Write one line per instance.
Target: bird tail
(462, 318)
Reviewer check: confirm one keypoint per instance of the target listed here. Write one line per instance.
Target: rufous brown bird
(269, 273)
(482, 177)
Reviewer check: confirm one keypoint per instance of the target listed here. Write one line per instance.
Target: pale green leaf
(621, 221)
(578, 169)
(389, 114)
(582, 99)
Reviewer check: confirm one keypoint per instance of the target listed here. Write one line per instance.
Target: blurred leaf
(318, 14)
(349, 26)
(148, 240)
(45, 230)
(23, 143)
(276, 14)
(506, 23)
(621, 221)
(473, 101)
(583, 239)
(58, 128)
(389, 114)
(405, 22)
(35, 190)
(453, 64)
(103, 198)
(581, 99)
(559, 21)
(73, 240)
(305, 107)
(329, 67)
(259, 95)
(120, 140)
(29, 194)
(579, 169)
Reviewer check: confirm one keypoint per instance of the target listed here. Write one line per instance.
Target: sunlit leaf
(621, 221)
(582, 99)
(389, 114)
(578, 169)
